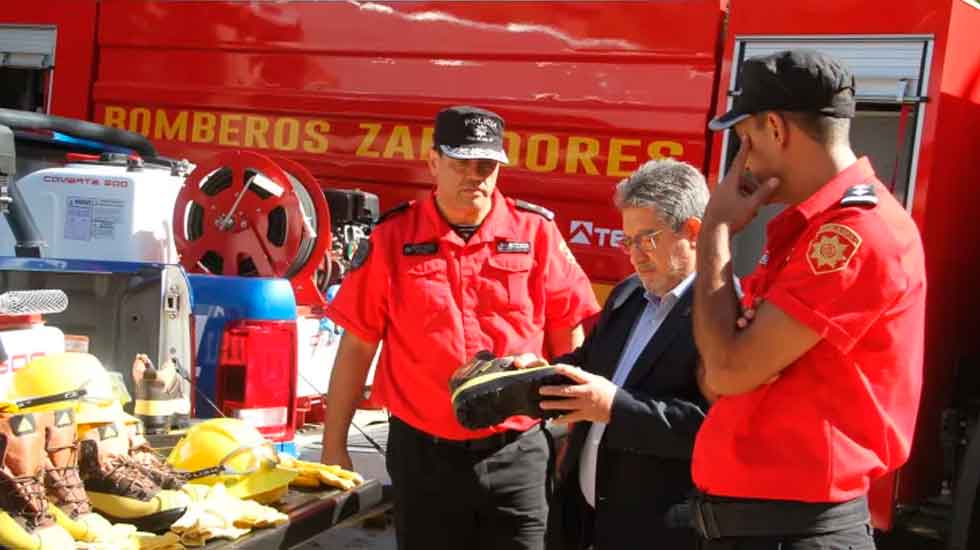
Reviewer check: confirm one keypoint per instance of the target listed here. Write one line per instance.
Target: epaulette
(390, 213)
(531, 207)
(860, 195)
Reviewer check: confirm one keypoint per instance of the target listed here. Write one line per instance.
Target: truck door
(891, 74)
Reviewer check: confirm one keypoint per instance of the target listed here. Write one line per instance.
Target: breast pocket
(505, 282)
(424, 292)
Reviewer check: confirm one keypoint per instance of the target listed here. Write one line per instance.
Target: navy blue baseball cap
(791, 80)
(465, 132)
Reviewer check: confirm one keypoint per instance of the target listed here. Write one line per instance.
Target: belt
(721, 517)
(492, 442)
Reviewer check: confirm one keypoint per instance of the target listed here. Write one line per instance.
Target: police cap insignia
(860, 195)
(531, 207)
(832, 248)
(361, 253)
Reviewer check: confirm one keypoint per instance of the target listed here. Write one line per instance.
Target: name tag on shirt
(420, 249)
(513, 247)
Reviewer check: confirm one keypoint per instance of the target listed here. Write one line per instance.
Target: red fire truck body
(589, 90)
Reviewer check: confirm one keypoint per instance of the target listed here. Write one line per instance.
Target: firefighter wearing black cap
(463, 270)
(819, 362)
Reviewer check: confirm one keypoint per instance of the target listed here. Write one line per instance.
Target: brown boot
(118, 488)
(61, 479)
(22, 471)
(63, 483)
(150, 463)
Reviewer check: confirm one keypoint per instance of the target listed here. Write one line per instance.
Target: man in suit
(635, 406)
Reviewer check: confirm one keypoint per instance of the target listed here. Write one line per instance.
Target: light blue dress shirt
(643, 330)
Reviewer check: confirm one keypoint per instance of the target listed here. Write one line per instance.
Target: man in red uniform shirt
(819, 391)
(442, 278)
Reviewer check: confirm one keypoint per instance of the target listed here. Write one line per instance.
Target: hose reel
(246, 214)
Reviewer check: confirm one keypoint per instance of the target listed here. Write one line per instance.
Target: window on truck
(26, 63)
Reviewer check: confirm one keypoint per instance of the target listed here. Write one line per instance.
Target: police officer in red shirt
(463, 270)
(819, 391)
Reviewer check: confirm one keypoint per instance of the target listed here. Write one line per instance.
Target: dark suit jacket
(644, 460)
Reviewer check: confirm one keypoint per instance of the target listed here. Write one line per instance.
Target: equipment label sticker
(107, 214)
(78, 219)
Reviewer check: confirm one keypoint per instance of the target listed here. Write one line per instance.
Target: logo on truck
(587, 234)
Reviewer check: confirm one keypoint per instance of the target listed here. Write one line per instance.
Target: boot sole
(483, 403)
(159, 522)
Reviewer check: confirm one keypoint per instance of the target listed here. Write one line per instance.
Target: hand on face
(737, 198)
(589, 399)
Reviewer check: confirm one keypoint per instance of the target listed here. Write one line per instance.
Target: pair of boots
(42, 500)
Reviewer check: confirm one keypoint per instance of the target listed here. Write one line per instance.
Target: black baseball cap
(791, 80)
(465, 132)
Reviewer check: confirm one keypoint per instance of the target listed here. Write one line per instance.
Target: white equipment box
(96, 211)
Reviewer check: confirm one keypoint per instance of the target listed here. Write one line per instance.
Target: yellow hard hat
(229, 451)
(51, 381)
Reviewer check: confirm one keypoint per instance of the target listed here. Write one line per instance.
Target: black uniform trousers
(478, 495)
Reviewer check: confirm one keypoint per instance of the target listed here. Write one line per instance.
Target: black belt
(720, 517)
(492, 442)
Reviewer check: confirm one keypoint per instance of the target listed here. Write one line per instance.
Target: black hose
(78, 128)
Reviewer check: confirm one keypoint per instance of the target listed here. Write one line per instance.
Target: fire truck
(589, 90)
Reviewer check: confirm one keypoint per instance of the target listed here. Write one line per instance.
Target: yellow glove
(314, 474)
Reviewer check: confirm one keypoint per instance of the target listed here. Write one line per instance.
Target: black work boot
(488, 390)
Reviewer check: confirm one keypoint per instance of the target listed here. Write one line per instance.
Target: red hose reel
(247, 214)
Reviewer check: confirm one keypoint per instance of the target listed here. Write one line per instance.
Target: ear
(433, 162)
(691, 229)
(777, 127)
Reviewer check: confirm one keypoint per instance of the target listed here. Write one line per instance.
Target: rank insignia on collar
(361, 253)
(860, 195)
(420, 249)
(832, 248)
(513, 247)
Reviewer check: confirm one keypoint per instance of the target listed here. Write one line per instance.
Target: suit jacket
(644, 458)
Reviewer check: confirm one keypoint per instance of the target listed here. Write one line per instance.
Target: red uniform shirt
(435, 301)
(843, 414)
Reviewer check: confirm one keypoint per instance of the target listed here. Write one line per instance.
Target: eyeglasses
(482, 167)
(646, 242)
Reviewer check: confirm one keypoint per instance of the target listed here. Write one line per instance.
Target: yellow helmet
(231, 452)
(50, 381)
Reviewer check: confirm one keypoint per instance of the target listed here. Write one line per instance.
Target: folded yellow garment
(216, 514)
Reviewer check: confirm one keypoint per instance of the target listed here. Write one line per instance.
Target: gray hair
(677, 189)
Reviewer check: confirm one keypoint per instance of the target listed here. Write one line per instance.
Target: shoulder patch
(390, 213)
(531, 207)
(832, 248)
(361, 253)
(860, 195)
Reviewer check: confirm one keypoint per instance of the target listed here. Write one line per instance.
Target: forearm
(346, 389)
(715, 300)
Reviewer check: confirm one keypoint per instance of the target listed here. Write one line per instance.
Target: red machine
(590, 90)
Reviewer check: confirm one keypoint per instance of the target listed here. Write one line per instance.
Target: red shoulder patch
(832, 248)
